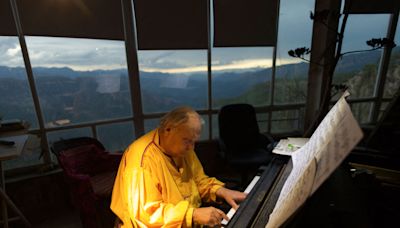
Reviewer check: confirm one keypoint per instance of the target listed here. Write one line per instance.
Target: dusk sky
(295, 30)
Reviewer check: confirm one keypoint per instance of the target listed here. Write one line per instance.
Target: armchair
(89, 172)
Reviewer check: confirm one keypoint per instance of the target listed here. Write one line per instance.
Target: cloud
(172, 58)
(12, 52)
(78, 54)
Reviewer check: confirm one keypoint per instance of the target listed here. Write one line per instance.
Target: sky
(295, 28)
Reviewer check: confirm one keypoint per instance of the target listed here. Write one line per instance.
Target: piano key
(247, 190)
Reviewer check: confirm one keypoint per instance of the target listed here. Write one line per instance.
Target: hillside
(81, 96)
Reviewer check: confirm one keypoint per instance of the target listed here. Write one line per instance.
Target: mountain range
(349, 63)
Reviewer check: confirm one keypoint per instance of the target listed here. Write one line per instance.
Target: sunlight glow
(235, 65)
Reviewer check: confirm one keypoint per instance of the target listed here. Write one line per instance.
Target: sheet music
(334, 138)
(232, 211)
(295, 190)
(339, 142)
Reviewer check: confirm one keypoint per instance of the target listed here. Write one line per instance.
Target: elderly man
(161, 182)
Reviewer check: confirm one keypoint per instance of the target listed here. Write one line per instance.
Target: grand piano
(364, 191)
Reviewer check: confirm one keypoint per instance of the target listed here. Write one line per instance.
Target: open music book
(331, 142)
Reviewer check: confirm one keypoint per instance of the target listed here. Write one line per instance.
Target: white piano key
(232, 211)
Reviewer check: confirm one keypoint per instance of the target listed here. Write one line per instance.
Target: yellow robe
(153, 190)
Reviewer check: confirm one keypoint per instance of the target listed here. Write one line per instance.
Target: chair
(90, 172)
(242, 145)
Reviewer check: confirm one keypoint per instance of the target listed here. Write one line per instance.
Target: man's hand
(209, 216)
(232, 197)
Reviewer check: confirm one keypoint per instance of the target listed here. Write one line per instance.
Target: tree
(333, 89)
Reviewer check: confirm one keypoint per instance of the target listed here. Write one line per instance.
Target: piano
(363, 191)
(335, 204)
(260, 201)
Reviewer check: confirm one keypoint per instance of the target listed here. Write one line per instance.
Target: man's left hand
(232, 197)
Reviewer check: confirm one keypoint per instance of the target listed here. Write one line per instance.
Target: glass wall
(79, 80)
(241, 75)
(286, 121)
(84, 83)
(116, 137)
(169, 79)
(393, 75)
(295, 31)
(16, 103)
(15, 96)
(358, 71)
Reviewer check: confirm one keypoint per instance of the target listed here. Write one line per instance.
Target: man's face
(181, 139)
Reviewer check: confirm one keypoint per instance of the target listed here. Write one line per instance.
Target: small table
(6, 153)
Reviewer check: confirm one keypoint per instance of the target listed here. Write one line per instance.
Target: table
(6, 153)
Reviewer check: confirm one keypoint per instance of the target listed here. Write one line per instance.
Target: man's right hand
(209, 216)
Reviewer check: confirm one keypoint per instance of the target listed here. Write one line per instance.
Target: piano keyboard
(247, 190)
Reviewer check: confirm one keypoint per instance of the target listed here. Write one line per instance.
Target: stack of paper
(289, 145)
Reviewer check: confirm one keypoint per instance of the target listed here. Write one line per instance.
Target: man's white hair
(177, 117)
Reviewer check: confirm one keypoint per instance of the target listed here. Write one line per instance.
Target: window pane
(215, 127)
(262, 120)
(173, 78)
(80, 80)
(241, 75)
(15, 95)
(151, 124)
(359, 70)
(295, 31)
(393, 75)
(286, 121)
(116, 137)
(382, 110)
(205, 132)
(361, 112)
(31, 155)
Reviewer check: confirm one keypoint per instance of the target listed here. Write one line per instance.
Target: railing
(296, 120)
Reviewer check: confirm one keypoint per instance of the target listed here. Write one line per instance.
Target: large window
(83, 85)
(241, 75)
(393, 75)
(16, 102)
(116, 137)
(173, 78)
(80, 80)
(15, 96)
(295, 31)
(286, 121)
(358, 71)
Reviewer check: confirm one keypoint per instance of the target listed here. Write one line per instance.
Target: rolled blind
(172, 24)
(245, 23)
